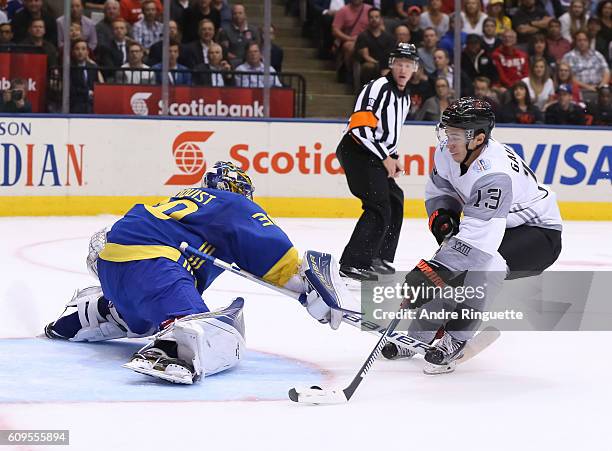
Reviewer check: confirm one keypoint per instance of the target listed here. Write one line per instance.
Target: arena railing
(199, 78)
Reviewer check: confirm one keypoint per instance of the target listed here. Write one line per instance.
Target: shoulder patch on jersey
(482, 164)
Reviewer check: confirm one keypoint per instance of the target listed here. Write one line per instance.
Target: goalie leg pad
(211, 342)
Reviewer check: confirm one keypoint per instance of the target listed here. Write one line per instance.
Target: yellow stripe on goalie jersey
(114, 252)
(284, 269)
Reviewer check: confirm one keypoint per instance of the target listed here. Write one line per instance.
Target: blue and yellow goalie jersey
(220, 223)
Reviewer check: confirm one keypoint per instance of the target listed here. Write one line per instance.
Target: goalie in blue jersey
(149, 287)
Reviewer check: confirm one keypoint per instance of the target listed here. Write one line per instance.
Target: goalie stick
(400, 339)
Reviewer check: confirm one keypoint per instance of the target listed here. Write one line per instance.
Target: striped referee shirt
(380, 112)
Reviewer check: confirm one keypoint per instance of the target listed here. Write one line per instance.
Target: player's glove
(443, 223)
(426, 275)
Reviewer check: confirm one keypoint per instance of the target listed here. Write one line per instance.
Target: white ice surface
(545, 391)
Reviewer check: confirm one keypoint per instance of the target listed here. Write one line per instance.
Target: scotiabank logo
(189, 158)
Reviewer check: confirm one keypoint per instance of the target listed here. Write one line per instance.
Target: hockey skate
(443, 358)
(358, 274)
(392, 352)
(161, 361)
(382, 267)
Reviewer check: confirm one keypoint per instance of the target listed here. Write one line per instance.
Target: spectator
(413, 23)
(373, 46)
(557, 45)
(604, 12)
(177, 73)
(593, 27)
(36, 38)
(600, 111)
(155, 51)
(131, 10)
(348, 23)
(490, 41)
(276, 52)
(216, 71)
(75, 34)
(83, 75)
(402, 8)
(426, 53)
(15, 100)
(147, 30)
(512, 64)
(88, 28)
(529, 19)
(198, 11)
(482, 90)
(132, 72)
(235, 37)
(3, 17)
(115, 54)
(589, 66)
(475, 61)
(196, 52)
(443, 68)
(564, 75)
(254, 63)
(419, 89)
(574, 20)
(540, 85)
(520, 110)
(12, 7)
(224, 11)
(6, 34)
(104, 28)
(564, 111)
(34, 9)
(496, 10)
(472, 17)
(434, 106)
(448, 40)
(435, 18)
(177, 10)
(323, 12)
(538, 48)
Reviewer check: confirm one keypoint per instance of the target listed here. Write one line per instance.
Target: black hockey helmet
(404, 50)
(470, 114)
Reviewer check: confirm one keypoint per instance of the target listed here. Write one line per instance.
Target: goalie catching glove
(324, 293)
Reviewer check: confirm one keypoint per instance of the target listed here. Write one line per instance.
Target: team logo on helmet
(189, 158)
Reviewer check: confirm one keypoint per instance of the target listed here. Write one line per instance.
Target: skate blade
(431, 369)
(159, 374)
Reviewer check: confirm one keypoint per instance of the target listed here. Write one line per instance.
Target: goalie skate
(156, 363)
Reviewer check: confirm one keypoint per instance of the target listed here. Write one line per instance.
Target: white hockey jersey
(497, 191)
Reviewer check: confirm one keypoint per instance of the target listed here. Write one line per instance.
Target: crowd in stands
(535, 61)
(211, 43)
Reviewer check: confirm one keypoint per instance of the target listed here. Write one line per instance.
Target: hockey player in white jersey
(511, 224)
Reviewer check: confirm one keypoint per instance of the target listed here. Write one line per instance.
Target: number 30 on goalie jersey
(227, 225)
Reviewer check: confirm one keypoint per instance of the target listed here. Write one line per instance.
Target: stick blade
(316, 396)
(480, 342)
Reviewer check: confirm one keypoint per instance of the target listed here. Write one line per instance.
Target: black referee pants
(377, 231)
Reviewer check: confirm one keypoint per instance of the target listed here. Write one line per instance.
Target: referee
(368, 155)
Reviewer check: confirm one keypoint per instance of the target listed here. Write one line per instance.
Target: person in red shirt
(511, 63)
(131, 10)
(558, 46)
(348, 23)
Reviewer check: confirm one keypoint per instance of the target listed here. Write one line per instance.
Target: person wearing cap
(564, 111)
(496, 10)
(403, 7)
(413, 22)
(368, 153)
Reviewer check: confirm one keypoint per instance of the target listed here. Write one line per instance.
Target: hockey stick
(355, 320)
(316, 395)
(402, 340)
